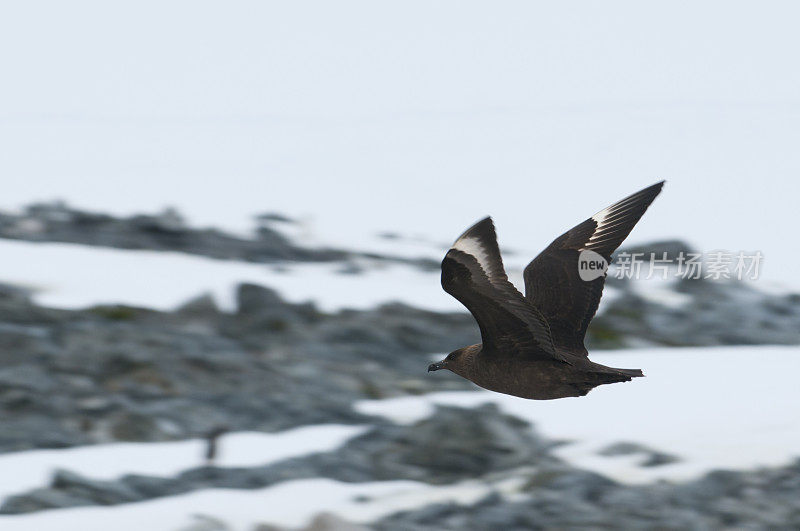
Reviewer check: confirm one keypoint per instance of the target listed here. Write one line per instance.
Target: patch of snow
(292, 503)
(22, 471)
(76, 276)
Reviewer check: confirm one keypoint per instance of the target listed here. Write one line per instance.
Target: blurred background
(221, 232)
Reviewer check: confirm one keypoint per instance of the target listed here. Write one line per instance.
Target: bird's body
(511, 373)
(533, 345)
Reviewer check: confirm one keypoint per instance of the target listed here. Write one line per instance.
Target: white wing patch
(599, 218)
(474, 247)
(607, 219)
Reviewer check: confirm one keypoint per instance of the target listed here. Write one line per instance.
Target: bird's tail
(608, 375)
(613, 375)
(631, 373)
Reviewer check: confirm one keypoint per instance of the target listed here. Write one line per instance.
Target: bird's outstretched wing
(473, 273)
(552, 280)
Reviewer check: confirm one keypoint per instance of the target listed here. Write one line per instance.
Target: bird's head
(457, 360)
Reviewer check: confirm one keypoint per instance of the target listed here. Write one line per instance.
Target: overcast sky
(418, 117)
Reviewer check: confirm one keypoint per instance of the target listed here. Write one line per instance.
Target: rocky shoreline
(456, 444)
(121, 373)
(567, 499)
(168, 231)
(452, 445)
(133, 374)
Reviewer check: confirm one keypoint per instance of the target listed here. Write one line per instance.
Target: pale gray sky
(413, 116)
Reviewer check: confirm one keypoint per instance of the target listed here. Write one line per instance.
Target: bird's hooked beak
(436, 366)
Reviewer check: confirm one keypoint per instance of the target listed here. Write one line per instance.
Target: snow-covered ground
(65, 275)
(721, 407)
(731, 407)
(726, 407)
(291, 503)
(76, 276)
(22, 471)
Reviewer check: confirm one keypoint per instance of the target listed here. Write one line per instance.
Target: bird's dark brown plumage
(532, 346)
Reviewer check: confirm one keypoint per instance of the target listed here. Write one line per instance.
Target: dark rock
(41, 499)
(203, 522)
(332, 522)
(452, 444)
(651, 457)
(134, 427)
(101, 492)
(253, 299)
(14, 293)
(203, 306)
(715, 313)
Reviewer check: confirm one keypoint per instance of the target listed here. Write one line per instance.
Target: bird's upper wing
(552, 280)
(472, 272)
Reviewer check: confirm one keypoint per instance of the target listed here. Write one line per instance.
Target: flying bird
(532, 346)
